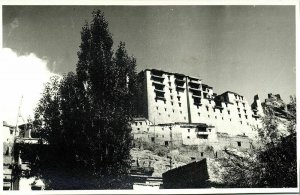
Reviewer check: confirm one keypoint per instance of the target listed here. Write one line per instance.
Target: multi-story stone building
(177, 99)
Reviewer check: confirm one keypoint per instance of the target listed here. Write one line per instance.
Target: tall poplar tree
(92, 111)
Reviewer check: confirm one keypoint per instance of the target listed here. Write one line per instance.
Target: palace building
(191, 110)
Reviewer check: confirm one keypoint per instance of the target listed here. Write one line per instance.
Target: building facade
(170, 98)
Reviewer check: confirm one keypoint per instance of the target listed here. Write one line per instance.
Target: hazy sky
(246, 49)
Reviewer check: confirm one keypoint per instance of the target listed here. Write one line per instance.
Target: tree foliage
(271, 164)
(85, 116)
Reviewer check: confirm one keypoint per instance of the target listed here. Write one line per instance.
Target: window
(188, 130)
(246, 116)
(241, 122)
(228, 112)
(156, 107)
(170, 90)
(248, 124)
(240, 115)
(162, 136)
(159, 113)
(179, 104)
(226, 104)
(209, 130)
(168, 115)
(245, 111)
(184, 118)
(237, 103)
(239, 144)
(169, 83)
(188, 137)
(168, 77)
(171, 97)
(165, 109)
(214, 110)
(136, 123)
(208, 116)
(230, 119)
(239, 109)
(140, 123)
(207, 108)
(198, 113)
(201, 154)
(152, 139)
(172, 103)
(147, 129)
(180, 112)
(166, 143)
(209, 101)
(222, 118)
(193, 158)
(215, 117)
(173, 110)
(162, 128)
(178, 97)
(138, 128)
(243, 104)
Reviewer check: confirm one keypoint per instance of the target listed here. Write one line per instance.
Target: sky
(246, 49)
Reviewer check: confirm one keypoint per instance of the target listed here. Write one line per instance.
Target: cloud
(21, 76)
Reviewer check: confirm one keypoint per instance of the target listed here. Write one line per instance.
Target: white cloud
(20, 76)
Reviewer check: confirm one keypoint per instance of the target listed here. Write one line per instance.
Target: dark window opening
(166, 143)
(239, 144)
(203, 136)
(152, 139)
(201, 154)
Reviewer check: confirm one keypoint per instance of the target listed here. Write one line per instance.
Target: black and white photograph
(149, 97)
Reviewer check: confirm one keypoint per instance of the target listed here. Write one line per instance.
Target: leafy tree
(85, 116)
(272, 164)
